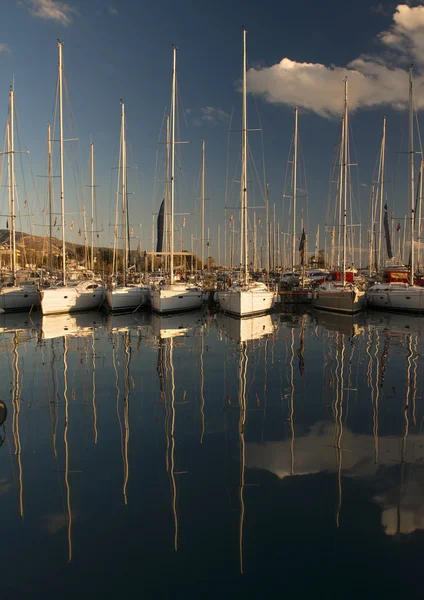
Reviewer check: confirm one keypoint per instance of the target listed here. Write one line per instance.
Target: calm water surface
(199, 456)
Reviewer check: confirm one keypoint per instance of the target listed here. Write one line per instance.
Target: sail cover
(159, 245)
(387, 233)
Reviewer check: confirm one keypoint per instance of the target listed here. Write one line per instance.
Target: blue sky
(123, 49)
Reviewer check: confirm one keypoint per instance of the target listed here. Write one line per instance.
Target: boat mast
(411, 172)
(296, 132)
(203, 204)
(61, 158)
(9, 193)
(339, 230)
(167, 207)
(420, 205)
(345, 174)
(11, 151)
(50, 194)
(381, 182)
(173, 101)
(243, 232)
(267, 232)
(124, 192)
(92, 205)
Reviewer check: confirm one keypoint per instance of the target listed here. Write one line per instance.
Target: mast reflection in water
(175, 454)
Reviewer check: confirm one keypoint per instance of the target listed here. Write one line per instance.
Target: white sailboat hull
(246, 301)
(126, 298)
(396, 296)
(19, 298)
(65, 299)
(339, 299)
(175, 298)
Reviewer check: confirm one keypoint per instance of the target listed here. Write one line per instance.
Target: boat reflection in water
(70, 324)
(243, 331)
(70, 333)
(344, 323)
(249, 328)
(394, 464)
(11, 322)
(167, 329)
(127, 322)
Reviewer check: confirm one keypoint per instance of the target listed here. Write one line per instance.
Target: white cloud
(373, 80)
(4, 47)
(53, 10)
(208, 114)
(113, 11)
(314, 453)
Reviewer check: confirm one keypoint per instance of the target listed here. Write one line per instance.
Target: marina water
(201, 456)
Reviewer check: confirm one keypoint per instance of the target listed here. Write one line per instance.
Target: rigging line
(285, 188)
(228, 156)
(334, 165)
(19, 131)
(416, 121)
(79, 195)
(256, 171)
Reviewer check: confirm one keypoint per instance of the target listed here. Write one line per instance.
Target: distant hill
(35, 249)
(35, 243)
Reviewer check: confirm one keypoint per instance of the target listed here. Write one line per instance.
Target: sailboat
(14, 297)
(341, 296)
(244, 297)
(402, 296)
(86, 294)
(127, 296)
(174, 296)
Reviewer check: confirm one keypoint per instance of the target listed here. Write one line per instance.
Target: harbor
(211, 300)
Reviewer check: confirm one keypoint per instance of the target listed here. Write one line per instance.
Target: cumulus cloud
(208, 114)
(373, 80)
(53, 10)
(4, 47)
(314, 453)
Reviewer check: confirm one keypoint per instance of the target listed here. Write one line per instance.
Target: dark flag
(387, 233)
(161, 214)
(302, 246)
(398, 227)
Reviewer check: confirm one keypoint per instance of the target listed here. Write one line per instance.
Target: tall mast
(167, 207)
(124, 191)
(296, 133)
(92, 204)
(173, 102)
(243, 232)
(411, 173)
(219, 245)
(345, 174)
(11, 151)
(9, 197)
(61, 158)
(340, 219)
(267, 232)
(420, 208)
(203, 204)
(381, 182)
(50, 194)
